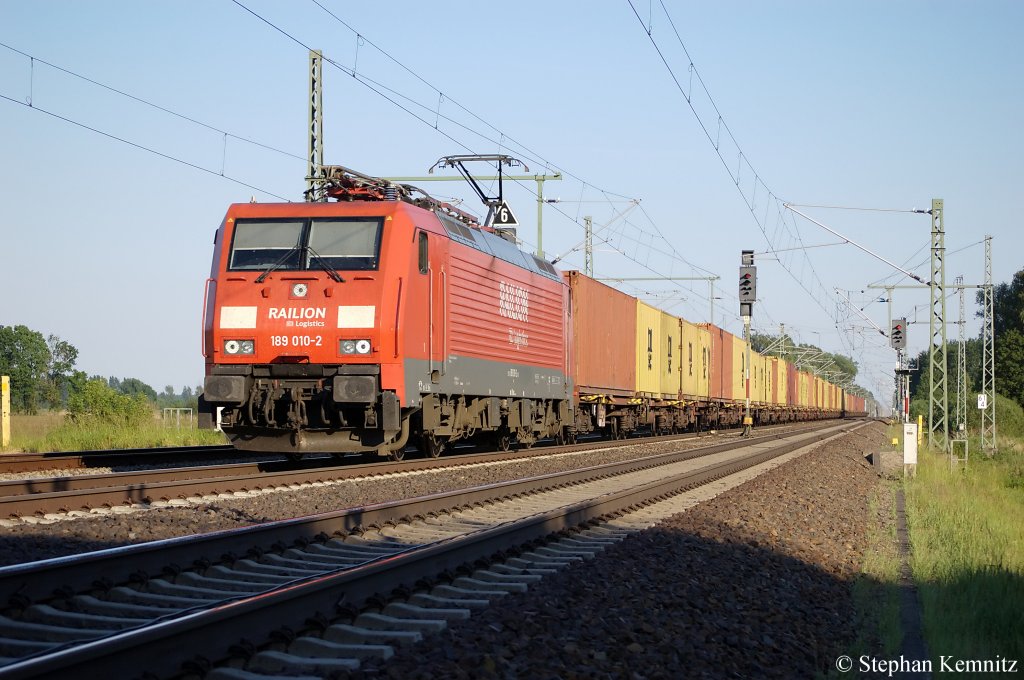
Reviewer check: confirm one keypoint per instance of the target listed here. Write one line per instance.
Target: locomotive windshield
(313, 244)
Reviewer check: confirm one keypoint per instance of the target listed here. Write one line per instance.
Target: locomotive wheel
(432, 446)
(503, 441)
(397, 455)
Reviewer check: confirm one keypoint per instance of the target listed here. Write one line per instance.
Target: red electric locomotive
(381, 318)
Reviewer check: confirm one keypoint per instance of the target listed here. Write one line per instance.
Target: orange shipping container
(721, 362)
(604, 337)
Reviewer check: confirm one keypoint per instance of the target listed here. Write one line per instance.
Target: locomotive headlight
(239, 347)
(361, 346)
(300, 290)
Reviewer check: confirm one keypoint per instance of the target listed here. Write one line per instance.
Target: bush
(1009, 414)
(97, 403)
(1009, 417)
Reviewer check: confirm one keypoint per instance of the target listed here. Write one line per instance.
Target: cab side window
(424, 259)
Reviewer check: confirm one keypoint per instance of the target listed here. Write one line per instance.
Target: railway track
(111, 458)
(52, 496)
(160, 607)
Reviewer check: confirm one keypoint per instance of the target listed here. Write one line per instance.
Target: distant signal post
(747, 295)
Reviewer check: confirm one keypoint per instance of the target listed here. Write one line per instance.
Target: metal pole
(988, 360)
(5, 411)
(540, 216)
(747, 420)
(588, 246)
(711, 283)
(316, 123)
(960, 419)
(938, 387)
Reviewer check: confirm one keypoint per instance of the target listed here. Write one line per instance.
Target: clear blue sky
(864, 104)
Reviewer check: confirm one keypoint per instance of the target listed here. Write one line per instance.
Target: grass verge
(51, 432)
(968, 554)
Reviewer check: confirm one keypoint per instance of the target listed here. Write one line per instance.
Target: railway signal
(898, 334)
(748, 282)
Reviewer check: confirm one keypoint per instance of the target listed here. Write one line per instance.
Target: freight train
(385, 317)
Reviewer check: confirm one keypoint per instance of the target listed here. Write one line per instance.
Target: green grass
(26, 429)
(968, 552)
(52, 432)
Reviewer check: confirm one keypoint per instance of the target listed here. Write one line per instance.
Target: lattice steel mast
(938, 387)
(316, 126)
(960, 410)
(988, 358)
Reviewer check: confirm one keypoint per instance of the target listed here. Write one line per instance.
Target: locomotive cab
(301, 321)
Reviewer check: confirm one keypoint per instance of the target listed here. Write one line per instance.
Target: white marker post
(909, 449)
(5, 411)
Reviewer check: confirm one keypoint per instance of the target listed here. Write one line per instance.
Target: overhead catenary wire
(34, 59)
(393, 96)
(145, 148)
(750, 202)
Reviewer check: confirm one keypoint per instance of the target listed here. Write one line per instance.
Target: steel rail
(38, 496)
(35, 462)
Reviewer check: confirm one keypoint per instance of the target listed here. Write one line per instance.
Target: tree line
(1008, 325)
(43, 376)
(837, 368)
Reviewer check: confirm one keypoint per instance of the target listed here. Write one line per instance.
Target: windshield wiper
(322, 263)
(281, 261)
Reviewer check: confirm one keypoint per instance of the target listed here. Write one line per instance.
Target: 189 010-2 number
(296, 341)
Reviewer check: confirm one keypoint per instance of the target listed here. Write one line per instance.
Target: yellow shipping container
(671, 343)
(756, 377)
(695, 361)
(781, 369)
(650, 353)
(739, 365)
(764, 375)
